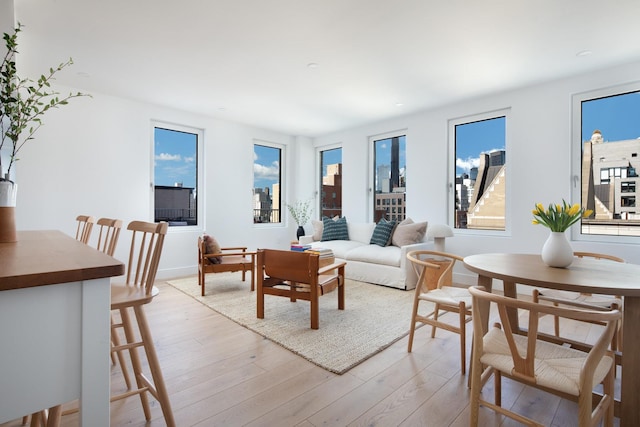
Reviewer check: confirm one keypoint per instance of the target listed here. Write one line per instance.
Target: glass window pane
(480, 190)
(266, 184)
(175, 176)
(610, 132)
(331, 183)
(390, 181)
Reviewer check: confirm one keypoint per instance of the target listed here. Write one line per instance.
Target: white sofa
(371, 263)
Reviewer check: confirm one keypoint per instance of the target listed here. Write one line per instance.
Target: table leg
(487, 283)
(630, 396)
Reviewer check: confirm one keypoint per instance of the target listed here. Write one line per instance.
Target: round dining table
(586, 275)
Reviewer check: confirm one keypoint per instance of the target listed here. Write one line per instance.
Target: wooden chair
(435, 285)
(85, 225)
(232, 259)
(564, 371)
(146, 248)
(297, 275)
(108, 236)
(588, 301)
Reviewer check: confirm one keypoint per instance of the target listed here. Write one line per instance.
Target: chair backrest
(597, 256)
(434, 269)
(524, 365)
(109, 232)
(144, 256)
(85, 225)
(294, 266)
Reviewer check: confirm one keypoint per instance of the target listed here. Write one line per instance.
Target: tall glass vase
(556, 251)
(8, 192)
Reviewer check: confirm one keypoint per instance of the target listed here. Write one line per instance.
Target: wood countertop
(48, 257)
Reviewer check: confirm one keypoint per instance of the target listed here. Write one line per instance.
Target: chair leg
(556, 323)
(115, 340)
(135, 360)
(412, 329)
(435, 319)
(463, 337)
(476, 386)
(154, 366)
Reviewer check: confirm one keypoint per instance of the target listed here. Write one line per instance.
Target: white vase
(556, 251)
(8, 193)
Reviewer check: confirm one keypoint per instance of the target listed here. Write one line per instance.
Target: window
(267, 176)
(177, 174)
(606, 142)
(479, 144)
(331, 182)
(389, 177)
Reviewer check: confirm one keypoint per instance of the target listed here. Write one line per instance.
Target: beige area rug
(374, 318)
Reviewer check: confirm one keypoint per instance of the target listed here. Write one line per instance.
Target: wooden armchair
(563, 371)
(231, 259)
(298, 275)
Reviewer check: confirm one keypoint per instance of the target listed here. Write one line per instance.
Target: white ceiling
(247, 60)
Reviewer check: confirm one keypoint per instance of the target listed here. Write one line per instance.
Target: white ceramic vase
(556, 251)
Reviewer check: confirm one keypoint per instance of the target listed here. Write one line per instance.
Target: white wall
(93, 157)
(538, 161)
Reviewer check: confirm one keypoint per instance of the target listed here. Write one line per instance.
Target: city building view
(609, 185)
(480, 194)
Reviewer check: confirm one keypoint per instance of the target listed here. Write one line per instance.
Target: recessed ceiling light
(399, 104)
(312, 65)
(83, 74)
(584, 53)
(222, 109)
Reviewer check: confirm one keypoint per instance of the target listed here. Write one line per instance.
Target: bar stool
(146, 247)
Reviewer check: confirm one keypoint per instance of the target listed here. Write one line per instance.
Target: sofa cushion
(339, 247)
(382, 233)
(388, 255)
(409, 234)
(334, 229)
(361, 231)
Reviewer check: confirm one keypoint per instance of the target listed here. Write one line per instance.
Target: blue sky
(266, 166)
(475, 138)
(617, 118)
(175, 157)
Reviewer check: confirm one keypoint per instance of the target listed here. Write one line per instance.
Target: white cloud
(269, 172)
(468, 163)
(169, 157)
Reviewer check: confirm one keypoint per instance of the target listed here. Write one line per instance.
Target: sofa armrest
(411, 278)
(305, 240)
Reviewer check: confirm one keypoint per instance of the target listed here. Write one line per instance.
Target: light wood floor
(220, 374)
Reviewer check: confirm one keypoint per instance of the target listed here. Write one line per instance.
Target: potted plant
(301, 212)
(23, 102)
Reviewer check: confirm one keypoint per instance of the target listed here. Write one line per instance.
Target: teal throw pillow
(334, 229)
(382, 233)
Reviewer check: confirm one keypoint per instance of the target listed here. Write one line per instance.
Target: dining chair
(108, 236)
(297, 275)
(129, 298)
(228, 259)
(85, 225)
(577, 299)
(569, 373)
(435, 286)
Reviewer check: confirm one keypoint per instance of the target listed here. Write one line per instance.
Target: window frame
(200, 173)
(451, 212)
(576, 158)
(283, 207)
